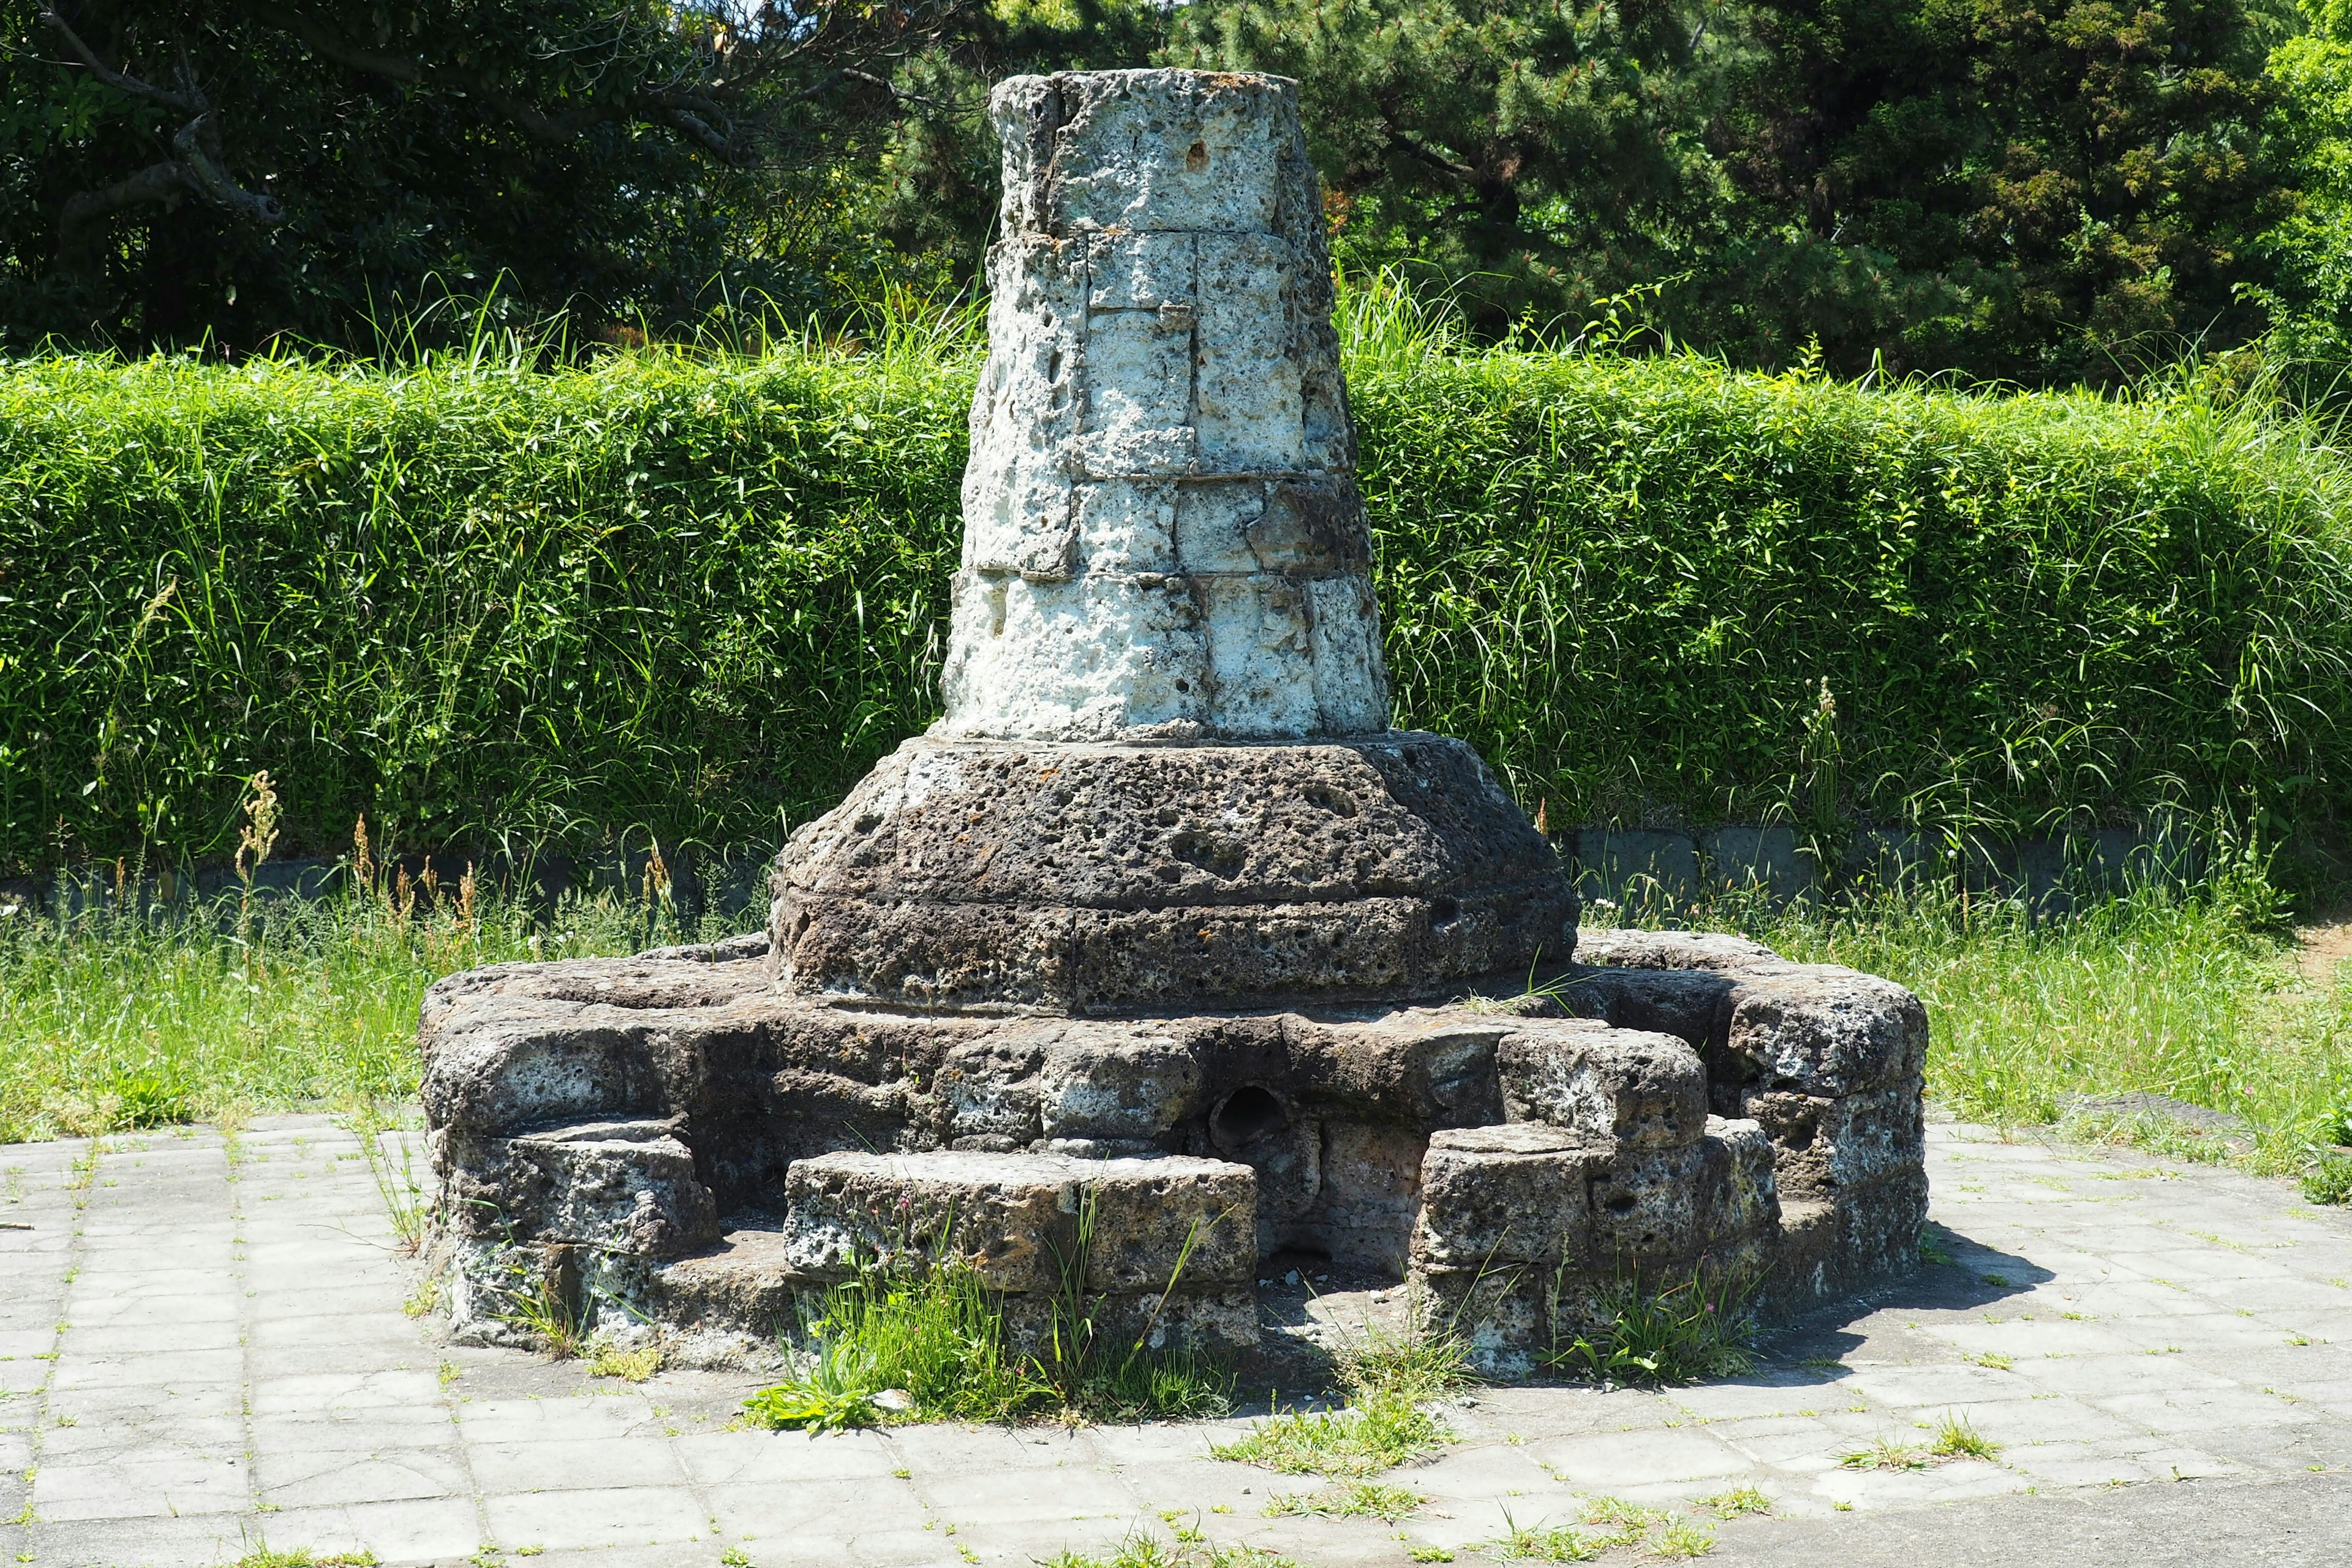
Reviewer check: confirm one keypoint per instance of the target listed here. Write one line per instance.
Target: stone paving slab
(204, 1348)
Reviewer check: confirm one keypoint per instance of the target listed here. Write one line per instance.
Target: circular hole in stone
(1248, 1114)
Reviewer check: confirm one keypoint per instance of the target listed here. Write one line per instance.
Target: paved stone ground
(202, 1349)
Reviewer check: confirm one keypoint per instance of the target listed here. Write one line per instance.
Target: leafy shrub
(696, 597)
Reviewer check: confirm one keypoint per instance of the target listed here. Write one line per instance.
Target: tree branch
(224, 192)
(118, 80)
(81, 223)
(367, 62)
(1428, 154)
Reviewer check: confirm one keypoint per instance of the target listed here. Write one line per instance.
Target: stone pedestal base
(593, 1121)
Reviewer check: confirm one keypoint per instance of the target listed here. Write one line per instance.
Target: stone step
(1021, 1221)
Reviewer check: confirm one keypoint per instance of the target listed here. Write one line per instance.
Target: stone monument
(1161, 922)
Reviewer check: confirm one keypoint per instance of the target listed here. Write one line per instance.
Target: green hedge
(483, 604)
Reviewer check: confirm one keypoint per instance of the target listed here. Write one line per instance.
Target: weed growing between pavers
(1382, 1425)
(1884, 1454)
(303, 1557)
(1958, 1438)
(1610, 1523)
(1365, 1500)
(2329, 1181)
(1695, 1327)
(1149, 1551)
(1545, 1543)
(1373, 1433)
(1738, 1501)
(629, 1363)
(930, 1346)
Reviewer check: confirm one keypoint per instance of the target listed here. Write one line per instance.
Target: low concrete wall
(2053, 872)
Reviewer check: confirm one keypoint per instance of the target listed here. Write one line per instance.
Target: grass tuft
(936, 1334)
(1149, 1551)
(1365, 1500)
(630, 1365)
(1544, 1544)
(1884, 1454)
(1958, 1438)
(1681, 1538)
(1377, 1432)
(1690, 1329)
(1737, 1503)
(2329, 1181)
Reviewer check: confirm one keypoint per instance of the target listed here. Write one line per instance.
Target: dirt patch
(2320, 948)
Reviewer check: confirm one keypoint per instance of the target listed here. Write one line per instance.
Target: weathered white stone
(1162, 536)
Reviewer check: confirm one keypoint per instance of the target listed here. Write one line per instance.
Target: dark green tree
(232, 171)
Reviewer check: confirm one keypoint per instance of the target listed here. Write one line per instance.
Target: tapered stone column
(1162, 535)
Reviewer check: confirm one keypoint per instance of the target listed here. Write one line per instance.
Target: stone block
(627, 1187)
(1623, 1086)
(1136, 416)
(1016, 1218)
(1126, 526)
(1124, 1083)
(513, 1061)
(1101, 654)
(1249, 407)
(1138, 150)
(1877, 1135)
(1344, 640)
(1179, 1221)
(1023, 522)
(1804, 1264)
(1739, 1198)
(1514, 1193)
(1819, 1030)
(1501, 1315)
(1139, 271)
(1824, 1144)
(1312, 529)
(742, 1284)
(1646, 1210)
(1258, 642)
(1213, 518)
(1368, 1194)
(1718, 952)
(1878, 1226)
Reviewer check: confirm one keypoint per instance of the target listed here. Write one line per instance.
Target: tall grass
(114, 1017)
(2154, 992)
(694, 592)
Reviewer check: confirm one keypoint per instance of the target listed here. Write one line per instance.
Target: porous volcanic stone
(1089, 879)
(1019, 1221)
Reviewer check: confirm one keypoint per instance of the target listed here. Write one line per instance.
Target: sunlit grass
(109, 1021)
(2167, 994)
